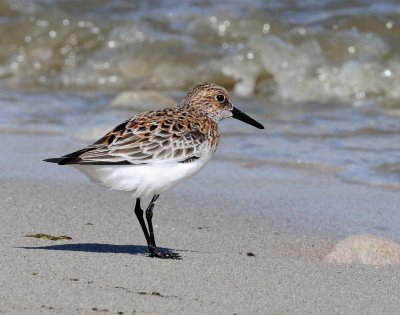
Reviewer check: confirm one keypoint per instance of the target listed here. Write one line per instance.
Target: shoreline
(289, 220)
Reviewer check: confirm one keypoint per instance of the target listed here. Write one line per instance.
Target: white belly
(143, 180)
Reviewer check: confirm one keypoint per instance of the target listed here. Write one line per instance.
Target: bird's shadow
(100, 248)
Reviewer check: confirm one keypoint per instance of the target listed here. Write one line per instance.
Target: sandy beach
(288, 220)
(263, 227)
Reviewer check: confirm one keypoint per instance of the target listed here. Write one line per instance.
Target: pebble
(365, 249)
(142, 100)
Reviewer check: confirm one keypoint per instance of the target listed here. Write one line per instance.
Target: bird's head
(213, 100)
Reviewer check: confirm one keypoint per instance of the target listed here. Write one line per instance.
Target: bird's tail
(55, 160)
(72, 158)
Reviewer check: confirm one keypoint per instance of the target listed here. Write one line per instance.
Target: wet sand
(287, 217)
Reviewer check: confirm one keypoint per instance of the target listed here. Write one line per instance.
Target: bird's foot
(158, 254)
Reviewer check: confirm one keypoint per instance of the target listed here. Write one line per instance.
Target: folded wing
(154, 137)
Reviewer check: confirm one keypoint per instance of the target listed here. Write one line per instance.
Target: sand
(288, 217)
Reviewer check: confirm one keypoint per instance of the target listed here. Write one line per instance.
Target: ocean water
(323, 76)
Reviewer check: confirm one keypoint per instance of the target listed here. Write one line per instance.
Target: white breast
(143, 180)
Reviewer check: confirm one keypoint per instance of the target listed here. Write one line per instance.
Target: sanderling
(154, 151)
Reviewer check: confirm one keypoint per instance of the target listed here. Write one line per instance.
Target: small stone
(92, 133)
(142, 100)
(365, 249)
(250, 254)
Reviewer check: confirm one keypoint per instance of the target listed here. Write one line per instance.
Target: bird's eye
(220, 98)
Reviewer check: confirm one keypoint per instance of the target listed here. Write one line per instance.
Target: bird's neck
(202, 110)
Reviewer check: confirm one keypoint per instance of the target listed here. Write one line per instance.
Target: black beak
(243, 117)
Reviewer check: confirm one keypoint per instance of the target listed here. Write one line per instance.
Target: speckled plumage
(168, 135)
(153, 151)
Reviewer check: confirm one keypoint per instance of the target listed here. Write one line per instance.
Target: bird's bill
(247, 119)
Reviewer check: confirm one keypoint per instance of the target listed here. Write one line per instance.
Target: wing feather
(149, 137)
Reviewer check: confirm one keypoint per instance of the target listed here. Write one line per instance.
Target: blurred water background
(323, 76)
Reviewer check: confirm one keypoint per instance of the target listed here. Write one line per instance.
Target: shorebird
(155, 150)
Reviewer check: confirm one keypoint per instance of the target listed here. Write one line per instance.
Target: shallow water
(323, 76)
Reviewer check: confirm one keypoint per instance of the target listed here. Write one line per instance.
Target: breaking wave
(294, 51)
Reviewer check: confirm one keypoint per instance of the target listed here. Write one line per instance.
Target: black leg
(150, 239)
(149, 217)
(139, 215)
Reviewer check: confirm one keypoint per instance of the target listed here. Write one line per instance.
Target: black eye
(220, 98)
